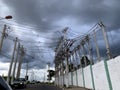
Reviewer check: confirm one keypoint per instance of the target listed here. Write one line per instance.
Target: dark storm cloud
(32, 12)
(36, 65)
(6, 50)
(44, 14)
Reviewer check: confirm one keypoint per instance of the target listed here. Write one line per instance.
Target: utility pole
(73, 61)
(2, 37)
(96, 46)
(81, 66)
(83, 50)
(11, 63)
(26, 77)
(67, 71)
(20, 61)
(14, 69)
(64, 37)
(56, 73)
(71, 68)
(79, 54)
(44, 77)
(48, 70)
(89, 49)
(48, 65)
(76, 67)
(59, 48)
(76, 57)
(62, 66)
(106, 40)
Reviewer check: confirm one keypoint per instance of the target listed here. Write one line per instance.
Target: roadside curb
(73, 88)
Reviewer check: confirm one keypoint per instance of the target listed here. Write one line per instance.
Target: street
(48, 87)
(40, 87)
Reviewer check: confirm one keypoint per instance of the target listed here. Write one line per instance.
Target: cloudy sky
(40, 22)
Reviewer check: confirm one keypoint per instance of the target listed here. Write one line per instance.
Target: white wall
(99, 75)
(66, 79)
(88, 79)
(70, 80)
(74, 79)
(114, 70)
(56, 81)
(60, 80)
(80, 78)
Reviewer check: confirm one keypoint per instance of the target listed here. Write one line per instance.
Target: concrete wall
(74, 79)
(114, 70)
(88, 79)
(66, 80)
(80, 78)
(70, 80)
(99, 76)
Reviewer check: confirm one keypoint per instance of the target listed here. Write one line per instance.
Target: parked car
(19, 83)
(4, 85)
(33, 82)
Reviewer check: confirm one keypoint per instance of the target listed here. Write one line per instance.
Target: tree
(51, 73)
(83, 60)
(70, 67)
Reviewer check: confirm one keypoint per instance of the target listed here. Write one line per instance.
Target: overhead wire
(88, 32)
(3, 53)
(11, 38)
(23, 25)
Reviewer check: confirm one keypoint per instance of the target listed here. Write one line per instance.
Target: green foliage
(83, 60)
(51, 74)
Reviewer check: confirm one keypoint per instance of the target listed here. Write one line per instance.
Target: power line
(27, 25)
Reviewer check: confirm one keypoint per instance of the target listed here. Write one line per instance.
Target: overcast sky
(36, 21)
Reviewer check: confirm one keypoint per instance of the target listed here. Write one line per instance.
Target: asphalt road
(40, 87)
